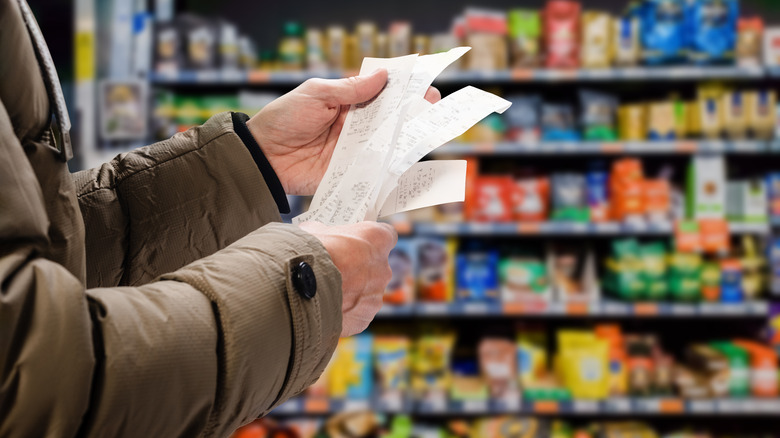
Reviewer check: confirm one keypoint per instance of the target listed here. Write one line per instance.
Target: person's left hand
(298, 131)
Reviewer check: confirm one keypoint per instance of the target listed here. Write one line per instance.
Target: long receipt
(375, 170)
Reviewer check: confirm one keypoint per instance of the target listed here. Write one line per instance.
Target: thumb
(356, 89)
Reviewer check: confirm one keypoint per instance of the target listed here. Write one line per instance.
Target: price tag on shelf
(586, 406)
(612, 148)
(615, 309)
(514, 308)
(710, 308)
(685, 146)
(758, 308)
(475, 406)
(645, 309)
(356, 405)
(649, 405)
(702, 406)
(577, 308)
(522, 74)
(606, 227)
(546, 407)
(682, 309)
(508, 405)
(618, 405)
(733, 308)
(259, 76)
(289, 407)
(476, 309)
(434, 308)
(671, 406)
(485, 147)
(730, 406)
(316, 406)
(436, 404)
(529, 228)
(483, 228)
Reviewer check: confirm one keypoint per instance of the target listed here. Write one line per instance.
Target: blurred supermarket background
(615, 267)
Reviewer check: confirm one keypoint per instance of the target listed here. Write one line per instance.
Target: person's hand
(298, 131)
(360, 253)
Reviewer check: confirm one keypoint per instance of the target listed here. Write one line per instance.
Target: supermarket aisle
(615, 267)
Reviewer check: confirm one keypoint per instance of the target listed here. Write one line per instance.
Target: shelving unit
(567, 228)
(685, 147)
(622, 407)
(606, 308)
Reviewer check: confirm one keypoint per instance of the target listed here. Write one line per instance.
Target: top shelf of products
(635, 74)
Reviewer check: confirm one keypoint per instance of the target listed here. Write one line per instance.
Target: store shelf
(665, 73)
(775, 221)
(607, 148)
(566, 229)
(613, 406)
(616, 309)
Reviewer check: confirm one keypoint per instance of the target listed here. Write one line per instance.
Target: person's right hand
(360, 253)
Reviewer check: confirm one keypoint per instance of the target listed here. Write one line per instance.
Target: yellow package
(584, 364)
(568, 339)
(632, 121)
(761, 113)
(693, 115)
(365, 33)
(531, 357)
(661, 121)
(391, 362)
(710, 116)
(337, 47)
(596, 37)
(735, 117)
(431, 364)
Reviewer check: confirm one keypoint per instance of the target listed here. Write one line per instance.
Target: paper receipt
(374, 170)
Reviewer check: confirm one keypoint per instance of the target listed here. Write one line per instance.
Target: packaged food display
(351, 374)
(598, 116)
(292, 48)
(596, 38)
(625, 35)
(711, 26)
(403, 262)
(525, 31)
(750, 33)
(663, 31)
(493, 199)
(707, 187)
(561, 20)
(558, 123)
(486, 32)
(524, 278)
(435, 260)
(477, 276)
(569, 197)
(498, 366)
(772, 46)
(392, 361)
(524, 118)
(531, 199)
(400, 38)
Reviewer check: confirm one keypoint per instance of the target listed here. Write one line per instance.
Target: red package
(472, 177)
(531, 199)
(562, 34)
(494, 199)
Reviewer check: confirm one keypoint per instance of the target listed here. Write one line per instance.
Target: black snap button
(304, 280)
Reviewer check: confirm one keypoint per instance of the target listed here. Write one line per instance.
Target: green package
(653, 256)
(685, 276)
(525, 31)
(739, 368)
(624, 276)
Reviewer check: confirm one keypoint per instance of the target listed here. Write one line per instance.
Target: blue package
(711, 27)
(662, 31)
(477, 276)
(558, 123)
(596, 182)
(360, 350)
(731, 285)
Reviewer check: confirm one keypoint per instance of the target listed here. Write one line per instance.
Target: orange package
(493, 199)
(531, 199)
(715, 237)
(626, 186)
(657, 196)
(763, 368)
(470, 198)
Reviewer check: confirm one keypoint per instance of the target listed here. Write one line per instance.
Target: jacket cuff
(271, 178)
(274, 341)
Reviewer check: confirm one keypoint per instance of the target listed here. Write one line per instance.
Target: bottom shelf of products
(367, 424)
